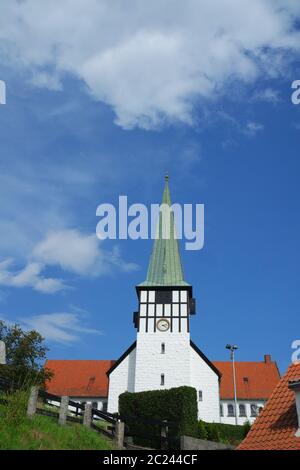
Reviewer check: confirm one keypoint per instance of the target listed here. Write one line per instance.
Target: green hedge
(176, 405)
(220, 432)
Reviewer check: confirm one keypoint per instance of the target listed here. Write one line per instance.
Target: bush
(176, 405)
(220, 432)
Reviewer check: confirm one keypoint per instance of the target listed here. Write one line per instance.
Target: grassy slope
(17, 432)
(42, 433)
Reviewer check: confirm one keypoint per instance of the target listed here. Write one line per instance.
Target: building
(278, 425)
(163, 355)
(255, 382)
(83, 381)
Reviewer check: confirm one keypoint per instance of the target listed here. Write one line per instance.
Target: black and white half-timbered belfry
(163, 355)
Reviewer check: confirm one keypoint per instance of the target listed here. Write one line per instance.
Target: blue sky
(103, 102)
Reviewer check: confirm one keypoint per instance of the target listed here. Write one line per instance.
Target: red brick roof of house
(254, 380)
(79, 378)
(83, 378)
(276, 425)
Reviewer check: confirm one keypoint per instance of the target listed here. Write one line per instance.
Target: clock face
(163, 324)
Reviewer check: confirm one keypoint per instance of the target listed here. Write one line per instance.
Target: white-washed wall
(204, 379)
(121, 379)
(151, 363)
(241, 419)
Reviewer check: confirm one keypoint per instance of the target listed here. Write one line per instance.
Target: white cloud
(79, 253)
(150, 61)
(73, 252)
(253, 128)
(58, 327)
(46, 80)
(29, 276)
(69, 249)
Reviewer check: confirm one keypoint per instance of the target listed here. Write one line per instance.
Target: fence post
(32, 402)
(164, 436)
(119, 434)
(63, 409)
(87, 417)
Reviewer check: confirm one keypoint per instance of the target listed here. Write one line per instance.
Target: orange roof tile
(254, 380)
(79, 378)
(276, 425)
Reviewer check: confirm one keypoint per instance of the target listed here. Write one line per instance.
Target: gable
(121, 359)
(205, 359)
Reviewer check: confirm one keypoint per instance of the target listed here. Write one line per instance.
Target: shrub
(176, 405)
(202, 430)
(220, 432)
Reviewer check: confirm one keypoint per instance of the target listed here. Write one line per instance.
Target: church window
(162, 379)
(230, 409)
(254, 409)
(200, 395)
(221, 410)
(95, 405)
(242, 409)
(163, 297)
(163, 348)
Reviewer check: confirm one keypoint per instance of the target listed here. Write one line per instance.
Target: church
(163, 355)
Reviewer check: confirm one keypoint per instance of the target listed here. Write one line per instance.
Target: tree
(25, 354)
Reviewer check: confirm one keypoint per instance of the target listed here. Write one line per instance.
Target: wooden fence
(116, 425)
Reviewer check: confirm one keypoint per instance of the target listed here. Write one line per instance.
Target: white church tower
(162, 321)
(163, 355)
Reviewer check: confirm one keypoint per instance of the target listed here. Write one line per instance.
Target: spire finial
(166, 177)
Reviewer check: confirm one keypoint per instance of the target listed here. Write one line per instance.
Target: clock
(163, 324)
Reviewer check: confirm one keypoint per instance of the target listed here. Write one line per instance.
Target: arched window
(230, 409)
(162, 379)
(221, 410)
(242, 409)
(163, 348)
(254, 409)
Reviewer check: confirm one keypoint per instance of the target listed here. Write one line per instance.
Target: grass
(17, 432)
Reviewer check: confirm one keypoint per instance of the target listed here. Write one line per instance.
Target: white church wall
(241, 419)
(121, 379)
(151, 363)
(205, 380)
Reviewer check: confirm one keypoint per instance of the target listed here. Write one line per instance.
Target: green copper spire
(165, 267)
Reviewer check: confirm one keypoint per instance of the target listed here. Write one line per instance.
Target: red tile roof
(254, 380)
(79, 378)
(88, 378)
(276, 425)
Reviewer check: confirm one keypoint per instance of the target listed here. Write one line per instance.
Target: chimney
(295, 386)
(267, 358)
